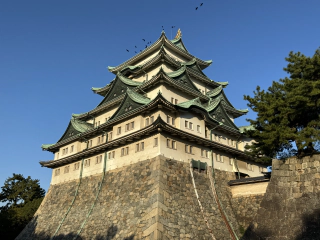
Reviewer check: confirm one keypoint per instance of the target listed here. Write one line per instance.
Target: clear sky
(53, 52)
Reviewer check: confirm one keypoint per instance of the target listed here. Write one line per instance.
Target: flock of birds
(149, 42)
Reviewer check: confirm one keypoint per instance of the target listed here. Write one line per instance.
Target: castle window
(66, 169)
(191, 125)
(87, 163)
(124, 151)
(147, 121)
(172, 100)
(174, 144)
(71, 149)
(98, 159)
(168, 119)
(139, 147)
(168, 143)
(198, 128)
(90, 143)
(119, 130)
(176, 101)
(204, 153)
(98, 140)
(63, 151)
(173, 121)
(230, 161)
(76, 166)
(110, 136)
(57, 172)
(102, 137)
(151, 119)
(129, 126)
(188, 149)
(111, 155)
(155, 142)
(66, 150)
(186, 124)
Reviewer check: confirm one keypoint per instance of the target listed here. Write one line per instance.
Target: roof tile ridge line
(188, 54)
(140, 131)
(126, 80)
(205, 77)
(229, 119)
(140, 53)
(175, 40)
(134, 94)
(194, 61)
(183, 86)
(183, 70)
(214, 92)
(101, 107)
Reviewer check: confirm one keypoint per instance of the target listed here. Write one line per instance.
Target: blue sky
(53, 52)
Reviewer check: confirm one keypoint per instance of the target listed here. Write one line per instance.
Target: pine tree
(288, 112)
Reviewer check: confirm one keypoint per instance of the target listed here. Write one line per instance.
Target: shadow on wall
(311, 226)
(110, 233)
(310, 230)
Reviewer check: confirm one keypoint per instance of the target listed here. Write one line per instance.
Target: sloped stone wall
(245, 209)
(152, 199)
(291, 206)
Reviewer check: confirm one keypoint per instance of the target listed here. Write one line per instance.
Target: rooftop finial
(179, 34)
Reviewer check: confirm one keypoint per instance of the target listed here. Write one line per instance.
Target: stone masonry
(151, 199)
(291, 206)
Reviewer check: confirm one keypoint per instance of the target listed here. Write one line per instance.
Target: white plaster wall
(176, 56)
(138, 124)
(106, 114)
(195, 120)
(201, 85)
(76, 148)
(249, 189)
(169, 92)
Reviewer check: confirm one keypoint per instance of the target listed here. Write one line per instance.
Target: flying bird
(143, 39)
(127, 50)
(201, 4)
(196, 8)
(135, 46)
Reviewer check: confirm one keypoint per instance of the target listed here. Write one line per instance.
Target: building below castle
(160, 103)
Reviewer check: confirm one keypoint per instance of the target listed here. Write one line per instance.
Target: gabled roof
(183, 77)
(179, 43)
(131, 101)
(220, 115)
(75, 127)
(118, 87)
(163, 40)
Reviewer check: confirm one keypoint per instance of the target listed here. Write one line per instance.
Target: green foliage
(288, 112)
(22, 196)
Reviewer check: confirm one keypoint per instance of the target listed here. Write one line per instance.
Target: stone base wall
(245, 209)
(151, 199)
(291, 206)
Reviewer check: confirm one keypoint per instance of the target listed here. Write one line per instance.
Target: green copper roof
(132, 101)
(223, 83)
(46, 146)
(212, 104)
(244, 128)
(192, 102)
(214, 92)
(178, 42)
(118, 87)
(137, 97)
(131, 67)
(75, 127)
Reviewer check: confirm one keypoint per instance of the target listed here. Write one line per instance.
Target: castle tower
(159, 103)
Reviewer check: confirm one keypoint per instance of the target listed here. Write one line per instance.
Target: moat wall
(152, 199)
(290, 208)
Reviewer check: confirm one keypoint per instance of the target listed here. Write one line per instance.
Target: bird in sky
(135, 46)
(196, 8)
(201, 4)
(127, 50)
(143, 39)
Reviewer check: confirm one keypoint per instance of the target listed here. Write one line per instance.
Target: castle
(124, 170)
(159, 103)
